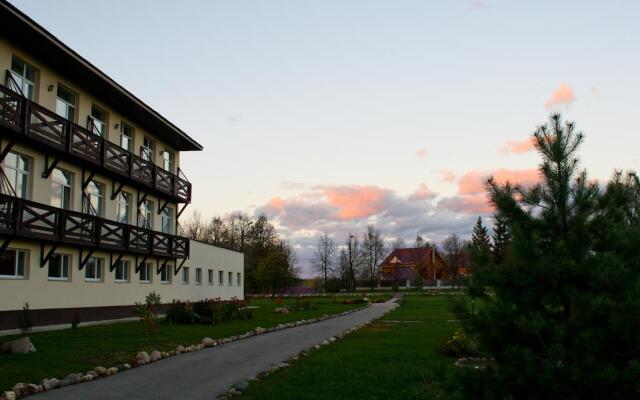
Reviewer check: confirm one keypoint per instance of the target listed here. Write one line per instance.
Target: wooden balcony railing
(30, 220)
(29, 120)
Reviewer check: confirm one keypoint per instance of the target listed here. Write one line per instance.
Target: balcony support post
(113, 264)
(161, 267)
(162, 207)
(180, 266)
(116, 190)
(141, 263)
(48, 167)
(82, 261)
(44, 259)
(4, 245)
(4, 151)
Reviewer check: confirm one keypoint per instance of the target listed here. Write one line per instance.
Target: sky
(331, 115)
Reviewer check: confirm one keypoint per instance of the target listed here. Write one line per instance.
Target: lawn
(395, 357)
(62, 352)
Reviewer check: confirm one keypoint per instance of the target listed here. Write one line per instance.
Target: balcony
(27, 219)
(29, 122)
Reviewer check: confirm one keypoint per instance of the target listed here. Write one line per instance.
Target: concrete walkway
(206, 373)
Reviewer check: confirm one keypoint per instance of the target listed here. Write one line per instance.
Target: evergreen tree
(501, 238)
(560, 314)
(480, 236)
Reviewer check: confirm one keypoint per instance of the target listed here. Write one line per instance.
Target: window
(165, 274)
(59, 267)
(61, 189)
(126, 136)
(220, 278)
(94, 199)
(122, 271)
(230, 278)
(185, 275)
(145, 273)
(97, 121)
(145, 215)
(93, 269)
(12, 263)
(168, 160)
(18, 172)
(165, 219)
(239, 278)
(210, 277)
(24, 76)
(198, 276)
(66, 103)
(123, 204)
(146, 150)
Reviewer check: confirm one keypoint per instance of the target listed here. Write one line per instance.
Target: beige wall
(47, 77)
(42, 293)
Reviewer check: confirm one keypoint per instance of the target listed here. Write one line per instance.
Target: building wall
(76, 292)
(46, 77)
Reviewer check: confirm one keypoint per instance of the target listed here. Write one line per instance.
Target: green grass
(62, 352)
(396, 357)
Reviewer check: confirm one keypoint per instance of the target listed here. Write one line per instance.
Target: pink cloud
(353, 202)
(517, 146)
(276, 203)
(563, 95)
(447, 176)
(422, 193)
(471, 204)
(473, 182)
(421, 152)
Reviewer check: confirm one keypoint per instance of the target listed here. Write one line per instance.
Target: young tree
(559, 316)
(453, 249)
(323, 258)
(480, 236)
(372, 254)
(501, 238)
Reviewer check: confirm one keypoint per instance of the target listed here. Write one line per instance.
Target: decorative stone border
(21, 390)
(243, 385)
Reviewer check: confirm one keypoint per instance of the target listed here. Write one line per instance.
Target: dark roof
(27, 34)
(408, 256)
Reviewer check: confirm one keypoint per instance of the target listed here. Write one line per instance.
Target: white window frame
(16, 267)
(145, 215)
(185, 275)
(67, 106)
(123, 201)
(148, 269)
(129, 137)
(165, 220)
(166, 270)
(22, 80)
(124, 265)
(99, 269)
(210, 277)
(230, 276)
(220, 278)
(147, 149)
(88, 199)
(239, 278)
(99, 124)
(62, 256)
(198, 277)
(168, 160)
(24, 173)
(63, 188)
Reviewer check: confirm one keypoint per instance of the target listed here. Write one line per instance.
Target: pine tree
(559, 315)
(501, 238)
(480, 236)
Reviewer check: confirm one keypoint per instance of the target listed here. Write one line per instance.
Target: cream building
(91, 191)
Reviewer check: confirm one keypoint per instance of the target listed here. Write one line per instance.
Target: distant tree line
(269, 262)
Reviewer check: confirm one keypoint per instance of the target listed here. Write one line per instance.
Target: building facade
(403, 266)
(90, 191)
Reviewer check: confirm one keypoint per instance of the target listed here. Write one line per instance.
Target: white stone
(155, 356)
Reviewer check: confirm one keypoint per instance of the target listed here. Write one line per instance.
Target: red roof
(408, 256)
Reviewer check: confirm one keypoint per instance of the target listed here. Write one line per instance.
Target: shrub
(148, 312)
(459, 345)
(207, 311)
(24, 319)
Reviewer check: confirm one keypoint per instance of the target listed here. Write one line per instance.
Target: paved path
(206, 373)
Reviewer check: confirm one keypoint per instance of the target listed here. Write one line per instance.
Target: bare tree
(373, 250)
(453, 249)
(419, 258)
(323, 257)
(398, 244)
(343, 266)
(353, 260)
(195, 227)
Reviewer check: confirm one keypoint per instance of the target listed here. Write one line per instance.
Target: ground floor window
(59, 267)
(12, 263)
(165, 274)
(122, 271)
(230, 278)
(239, 278)
(210, 277)
(93, 269)
(185, 275)
(220, 278)
(145, 273)
(198, 276)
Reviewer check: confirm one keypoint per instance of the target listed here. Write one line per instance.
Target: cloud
(420, 153)
(472, 182)
(479, 5)
(517, 146)
(421, 193)
(447, 176)
(471, 204)
(563, 95)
